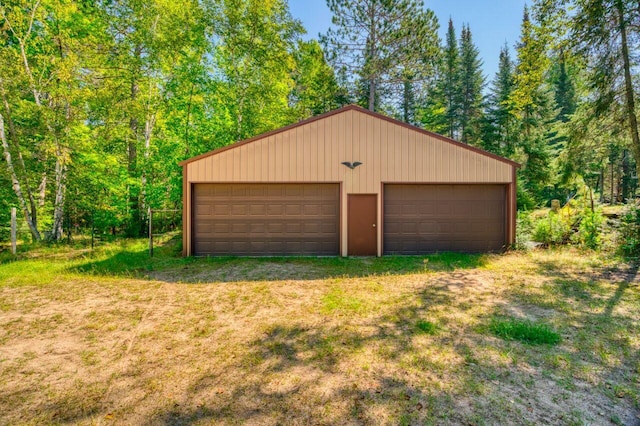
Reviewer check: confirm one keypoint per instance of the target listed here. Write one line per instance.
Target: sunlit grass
(427, 327)
(524, 331)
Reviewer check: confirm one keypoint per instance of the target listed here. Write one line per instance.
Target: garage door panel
(432, 218)
(266, 219)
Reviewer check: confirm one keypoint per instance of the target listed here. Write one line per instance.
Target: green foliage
(551, 230)
(524, 228)
(110, 96)
(472, 82)
(524, 331)
(316, 89)
(536, 173)
(524, 199)
(590, 230)
(532, 65)
(564, 88)
(532, 104)
(630, 232)
(253, 58)
(440, 111)
(450, 81)
(382, 44)
(427, 327)
(499, 134)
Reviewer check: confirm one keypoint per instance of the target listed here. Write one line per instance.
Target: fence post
(150, 234)
(14, 233)
(93, 227)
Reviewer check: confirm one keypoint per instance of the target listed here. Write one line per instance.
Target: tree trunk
(406, 101)
(611, 200)
(16, 145)
(239, 119)
(42, 189)
(148, 131)
(186, 127)
(372, 57)
(16, 184)
(132, 167)
(628, 83)
(61, 187)
(372, 94)
(601, 185)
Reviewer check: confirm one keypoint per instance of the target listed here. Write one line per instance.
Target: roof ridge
(340, 110)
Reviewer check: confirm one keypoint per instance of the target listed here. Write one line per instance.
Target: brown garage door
(435, 218)
(266, 219)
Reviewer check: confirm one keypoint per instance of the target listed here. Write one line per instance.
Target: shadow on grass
(306, 374)
(596, 313)
(250, 402)
(167, 265)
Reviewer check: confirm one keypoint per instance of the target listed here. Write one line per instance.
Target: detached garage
(348, 182)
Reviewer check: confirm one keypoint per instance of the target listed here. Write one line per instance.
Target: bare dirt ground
(266, 343)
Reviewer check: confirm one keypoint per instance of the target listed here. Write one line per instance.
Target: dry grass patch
(114, 337)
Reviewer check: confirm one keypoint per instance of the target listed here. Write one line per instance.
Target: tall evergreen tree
(500, 133)
(378, 41)
(471, 83)
(408, 103)
(564, 89)
(450, 81)
(533, 106)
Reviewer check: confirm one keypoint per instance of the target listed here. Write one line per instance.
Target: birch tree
(42, 51)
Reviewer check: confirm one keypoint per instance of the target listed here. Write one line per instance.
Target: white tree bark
(61, 152)
(17, 188)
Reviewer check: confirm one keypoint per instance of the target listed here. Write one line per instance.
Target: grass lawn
(112, 337)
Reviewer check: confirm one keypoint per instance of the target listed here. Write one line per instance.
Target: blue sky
(493, 22)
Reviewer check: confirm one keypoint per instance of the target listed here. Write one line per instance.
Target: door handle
(374, 225)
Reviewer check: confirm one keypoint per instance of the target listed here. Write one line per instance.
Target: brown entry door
(362, 225)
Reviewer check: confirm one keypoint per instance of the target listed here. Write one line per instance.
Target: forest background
(100, 100)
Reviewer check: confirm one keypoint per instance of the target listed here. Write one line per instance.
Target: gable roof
(339, 111)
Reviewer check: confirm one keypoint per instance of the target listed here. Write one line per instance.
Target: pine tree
(450, 82)
(499, 136)
(431, 112)
(408, 102)
(471, 83)
(564, 90)
(378, 41)
(533, 105)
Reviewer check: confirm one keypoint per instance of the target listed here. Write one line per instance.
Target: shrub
(551, 230)
(524, 331)
(524, 225)
(590, 230)
(630, 232)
